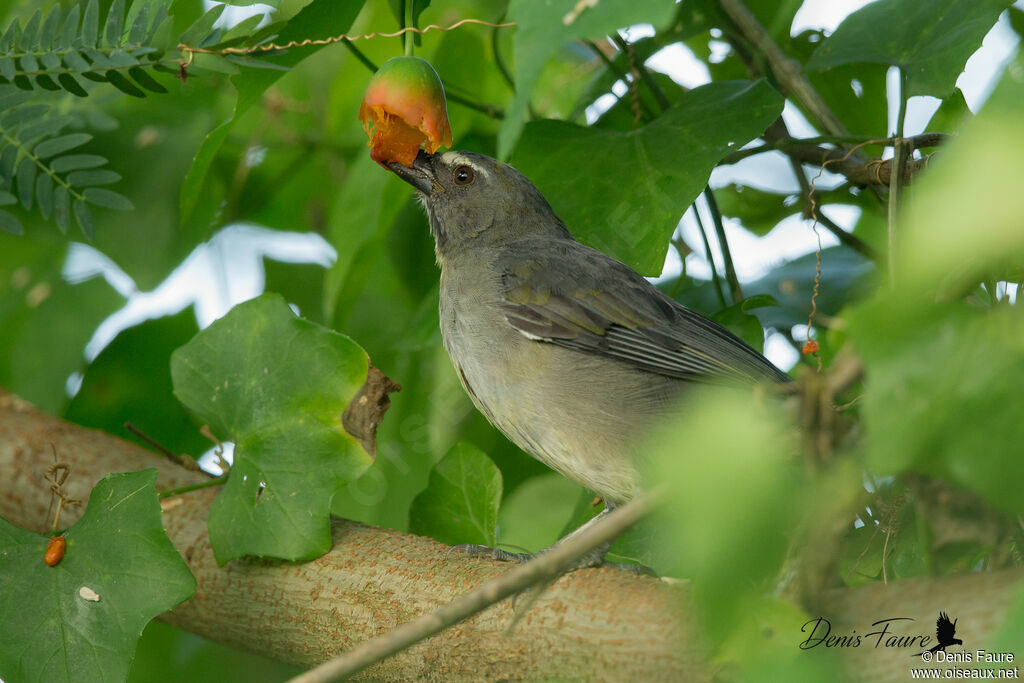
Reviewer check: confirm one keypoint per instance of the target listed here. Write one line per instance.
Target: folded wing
(578, 298)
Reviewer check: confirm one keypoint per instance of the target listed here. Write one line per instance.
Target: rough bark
(596, 624)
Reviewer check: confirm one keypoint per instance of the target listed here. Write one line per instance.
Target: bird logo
(944, 632)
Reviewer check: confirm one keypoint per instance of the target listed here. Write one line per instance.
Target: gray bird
(570, 353)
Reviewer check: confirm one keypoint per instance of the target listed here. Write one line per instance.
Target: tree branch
(592, 624)
(873, 172)
(787, 71)
(538, 571)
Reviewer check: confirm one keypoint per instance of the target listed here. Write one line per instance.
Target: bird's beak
(420, 176)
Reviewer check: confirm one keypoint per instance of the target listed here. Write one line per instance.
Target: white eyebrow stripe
(456, 159)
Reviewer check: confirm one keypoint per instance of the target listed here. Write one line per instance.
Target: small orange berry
(54, 551)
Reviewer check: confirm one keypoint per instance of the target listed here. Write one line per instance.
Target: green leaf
(276, 385)
(99, 59)
(738, 319)
(53, 146)
(61, 208)
(46, 83)
(44, 194)
(9, 98)
(16, 117)
(215, 63)
(28, 37)
(121, 82)
(937, 363)
(542, 30)
(460, 504)
(111, 200)
(130, 380)
(115, 17)
(747, 543)
(70, 29)
(846, 274)
(74, 162)
(6, 198)
(122, 58)
(76, 62)
(69, 83)
(537, 511)
(639, 183)
(10, 37)
(51, 61)
(8, 156)
(159, 17)
(84, 217)
(26, 182)
(139, 29)
(202, 26)
(255, 63)
(61, 318)
(10, 224)
(145, 80)
(101, 176)
(28, 63)
(48, 34)
(849, 89)
(317, 20)
(758, 210)
(51, 125)
(930, 41)
(90, 24)
(80, 620)
(212, 38)
(244, 27)
(7, 68)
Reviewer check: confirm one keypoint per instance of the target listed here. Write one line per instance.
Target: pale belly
(577, 412)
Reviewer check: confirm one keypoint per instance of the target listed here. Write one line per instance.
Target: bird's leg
(593, 558)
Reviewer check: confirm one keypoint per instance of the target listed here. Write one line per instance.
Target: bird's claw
(495, 553)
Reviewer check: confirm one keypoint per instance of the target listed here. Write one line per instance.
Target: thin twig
(644, 74)
(544, 567)
(57, 474)
(787, 71)
(710, 257)
(812, 346)
(848, 239)
(488, 109)
(900, 153)
(622, 76)
(188, 51)
(920, 141)
(215, 481)
(723, 242)
(845, 238)
(185, 461)
(500, 62)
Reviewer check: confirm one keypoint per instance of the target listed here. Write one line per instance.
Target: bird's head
(474, 200)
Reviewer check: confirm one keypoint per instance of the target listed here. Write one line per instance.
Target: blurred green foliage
(770, 503)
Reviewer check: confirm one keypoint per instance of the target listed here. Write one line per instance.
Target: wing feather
(578, 298)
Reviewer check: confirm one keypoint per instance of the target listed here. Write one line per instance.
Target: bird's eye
(463, 175)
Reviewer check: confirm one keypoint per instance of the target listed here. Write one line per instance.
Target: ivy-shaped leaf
(460, 504)
(543, 27)
(656, 171)
(930, 41)
(276, 385)
(80, 619)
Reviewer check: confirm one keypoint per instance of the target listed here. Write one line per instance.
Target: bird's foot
(594, 558)
(494, 553)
